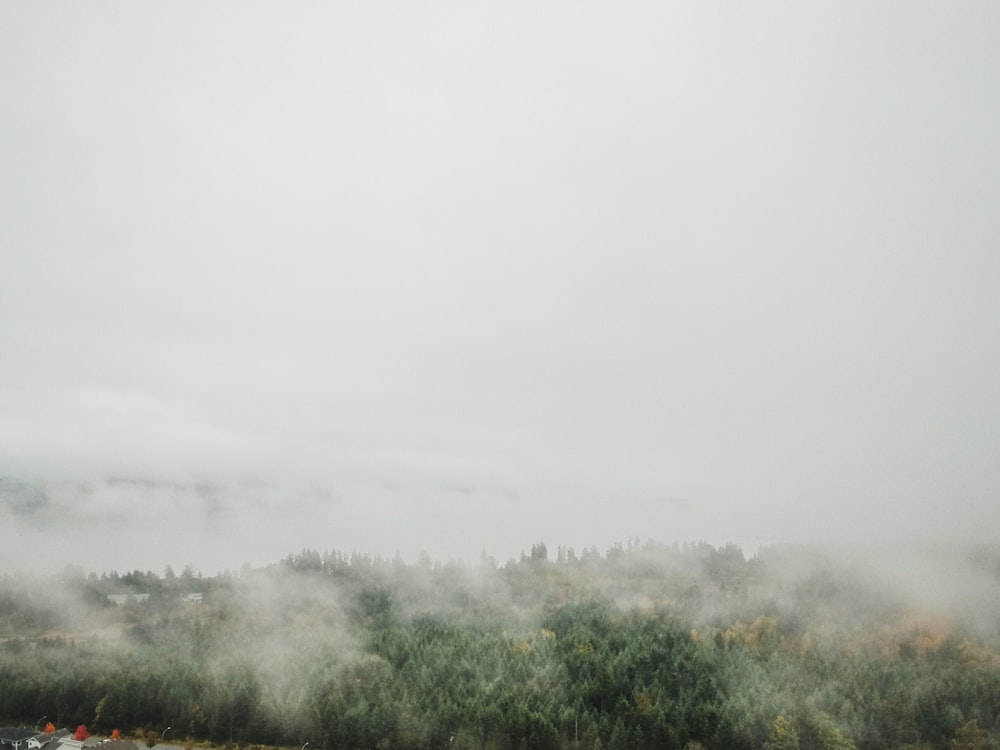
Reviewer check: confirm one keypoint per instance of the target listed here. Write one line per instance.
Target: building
(41, 740)
(15, 737)
(123, 599)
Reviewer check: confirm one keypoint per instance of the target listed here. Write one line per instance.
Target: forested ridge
(640, 646)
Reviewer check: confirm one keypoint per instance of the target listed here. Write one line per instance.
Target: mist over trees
(640, 646)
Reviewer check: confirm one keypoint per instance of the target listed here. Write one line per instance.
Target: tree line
(641, 646)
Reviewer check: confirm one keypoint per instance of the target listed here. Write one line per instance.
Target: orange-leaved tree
(81, 733)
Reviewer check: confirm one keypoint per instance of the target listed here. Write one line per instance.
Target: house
(41, 740)
(194, 597)
(15, 737)
(123, 599)
(71, 743)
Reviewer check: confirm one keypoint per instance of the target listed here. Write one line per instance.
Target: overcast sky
(462, 276)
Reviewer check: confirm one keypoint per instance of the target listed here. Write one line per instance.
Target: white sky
(454, 276)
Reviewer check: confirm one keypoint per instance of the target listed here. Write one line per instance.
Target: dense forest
(641, 646)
